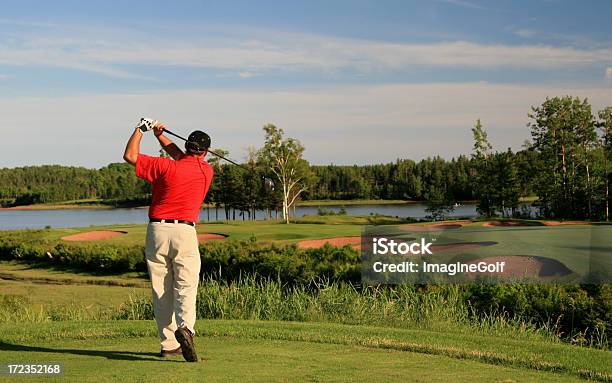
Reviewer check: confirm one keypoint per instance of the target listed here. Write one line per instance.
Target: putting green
(560, 253)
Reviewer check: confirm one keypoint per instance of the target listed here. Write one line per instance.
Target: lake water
(23, 219)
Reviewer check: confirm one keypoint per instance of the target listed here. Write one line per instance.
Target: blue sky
(355, 81)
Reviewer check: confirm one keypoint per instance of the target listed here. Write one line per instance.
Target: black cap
(197, 142)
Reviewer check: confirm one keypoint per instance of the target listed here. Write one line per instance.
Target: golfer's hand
(158, 128)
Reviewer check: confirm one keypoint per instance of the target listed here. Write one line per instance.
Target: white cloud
(585, 42)
(4, 76)
(343, 125)
(257, 52)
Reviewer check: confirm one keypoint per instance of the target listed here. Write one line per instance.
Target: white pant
(173, 260)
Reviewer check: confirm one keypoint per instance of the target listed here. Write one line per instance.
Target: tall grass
(18, 308)
(436, 308)
(402, 306)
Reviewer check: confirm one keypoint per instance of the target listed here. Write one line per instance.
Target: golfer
(173, 259)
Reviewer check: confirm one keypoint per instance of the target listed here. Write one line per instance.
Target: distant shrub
(324, 211)
(98, 258)
(229, 260)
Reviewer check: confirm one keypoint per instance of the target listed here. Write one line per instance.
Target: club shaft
(175, 135)
(209, 151)
(228, 160)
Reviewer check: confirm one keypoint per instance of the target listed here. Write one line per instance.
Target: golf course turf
(263, 351)
(287, 351)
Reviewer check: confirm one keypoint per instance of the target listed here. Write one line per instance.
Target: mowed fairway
(125, 351)
(262, 230)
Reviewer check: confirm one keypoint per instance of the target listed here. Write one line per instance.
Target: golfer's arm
(170, 147)
(132, 149)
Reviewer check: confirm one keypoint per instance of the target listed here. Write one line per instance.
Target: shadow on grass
(113, 355)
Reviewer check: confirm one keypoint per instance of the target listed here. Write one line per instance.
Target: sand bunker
(337, 241)
(98, 235)
(210, 237)
(557, 223)
(434, 227)
(528, 266)
(463, 222)
(504, 223)
(459, 246)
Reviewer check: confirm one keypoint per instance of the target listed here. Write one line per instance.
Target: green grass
(304, 228)
(239, 350)
(581, 248)
(54, 274)
(285, 351)
(578, 247)
(252, 299)
(91, 298)
(278, 231)
(308, 227)
(58, 293)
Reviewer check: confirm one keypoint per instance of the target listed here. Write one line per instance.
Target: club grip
(145, 124)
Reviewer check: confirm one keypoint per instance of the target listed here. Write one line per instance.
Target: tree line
(568, 161)
(54, 183)
(566, 164)
(234, 187)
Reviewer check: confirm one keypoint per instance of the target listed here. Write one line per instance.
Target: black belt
(172, 221)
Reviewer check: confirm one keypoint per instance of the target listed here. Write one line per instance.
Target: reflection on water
(21, 219)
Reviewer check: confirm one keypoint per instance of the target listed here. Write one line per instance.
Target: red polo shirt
(179, 187)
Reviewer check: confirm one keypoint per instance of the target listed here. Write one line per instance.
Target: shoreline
(313, 203)
(55, 207)
(301, 203)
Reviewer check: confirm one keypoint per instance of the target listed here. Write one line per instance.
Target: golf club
(268, 183)
(146, 124)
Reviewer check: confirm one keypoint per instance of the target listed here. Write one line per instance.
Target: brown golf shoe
(185, 338)
(166, 353)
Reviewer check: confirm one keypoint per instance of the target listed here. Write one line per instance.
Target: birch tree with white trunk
(283, 157)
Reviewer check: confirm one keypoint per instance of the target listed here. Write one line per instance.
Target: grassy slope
(49, 274)
(281, 351)
(56, 290)
(92, 297)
